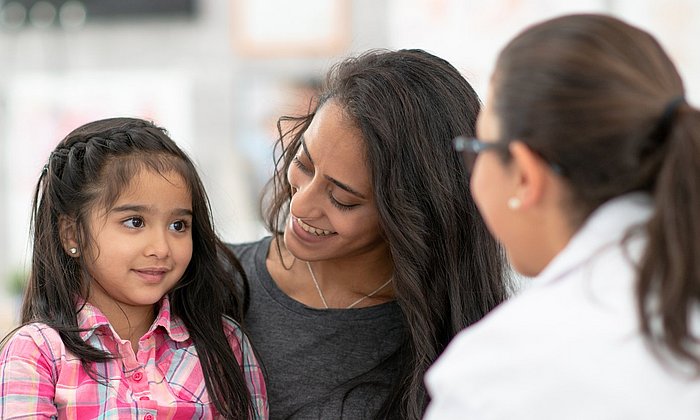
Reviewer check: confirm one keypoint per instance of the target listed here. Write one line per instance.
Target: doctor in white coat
(588, 172)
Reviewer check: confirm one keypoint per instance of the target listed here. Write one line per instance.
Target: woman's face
(520, 199)
(333, 213)
(492, 185)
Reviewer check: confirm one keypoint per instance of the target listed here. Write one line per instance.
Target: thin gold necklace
(323, 298)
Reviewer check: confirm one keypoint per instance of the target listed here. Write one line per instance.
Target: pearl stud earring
(73, 250)
(514, 203)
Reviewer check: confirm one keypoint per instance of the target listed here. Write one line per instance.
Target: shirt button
(137, 377)
(148, 417)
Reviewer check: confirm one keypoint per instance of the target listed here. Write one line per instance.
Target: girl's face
(333, 213)
(142, 244)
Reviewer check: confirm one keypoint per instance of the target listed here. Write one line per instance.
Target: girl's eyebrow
(340, 185)
(146, 209)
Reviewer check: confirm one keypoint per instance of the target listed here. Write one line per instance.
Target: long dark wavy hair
(90, 168)
(603, 100)
(448, 270)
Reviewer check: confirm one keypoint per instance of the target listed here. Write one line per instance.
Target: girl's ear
(67, 230)
(532, 174)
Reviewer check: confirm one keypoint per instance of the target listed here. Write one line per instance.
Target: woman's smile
(313, 230)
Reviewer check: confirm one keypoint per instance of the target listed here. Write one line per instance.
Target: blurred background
(218, 73)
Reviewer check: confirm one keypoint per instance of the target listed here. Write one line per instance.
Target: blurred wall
(218, 99)
(219, 77)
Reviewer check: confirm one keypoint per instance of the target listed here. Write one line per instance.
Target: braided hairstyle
(89, 169)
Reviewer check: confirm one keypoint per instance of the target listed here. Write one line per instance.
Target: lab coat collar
(605, 227)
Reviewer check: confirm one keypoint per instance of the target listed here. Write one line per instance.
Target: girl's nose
(158, 245)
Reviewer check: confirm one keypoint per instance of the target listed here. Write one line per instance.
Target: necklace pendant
(352, 305)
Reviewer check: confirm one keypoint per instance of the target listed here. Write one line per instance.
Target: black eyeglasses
(470, 147)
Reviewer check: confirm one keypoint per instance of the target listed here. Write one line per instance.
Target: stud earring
(73, 250)
(514, 203)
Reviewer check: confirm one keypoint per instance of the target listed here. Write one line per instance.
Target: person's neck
(129, 322)
(551, 230)
(342, 281)
(357, 274)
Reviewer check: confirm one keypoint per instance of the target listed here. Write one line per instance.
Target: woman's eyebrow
(341, 185)
(305, 150)
(346, 187)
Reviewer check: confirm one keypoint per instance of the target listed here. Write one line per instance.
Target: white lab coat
(568, 347)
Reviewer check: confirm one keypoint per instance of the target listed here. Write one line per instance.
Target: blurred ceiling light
(72, 14)
(42, 14)
(75, 14)
(12, 15)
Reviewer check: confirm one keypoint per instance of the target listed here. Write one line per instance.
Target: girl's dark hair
(90, 168)
(603, 100)
(448, 270)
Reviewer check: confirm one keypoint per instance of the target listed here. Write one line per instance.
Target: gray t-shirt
(320, 363)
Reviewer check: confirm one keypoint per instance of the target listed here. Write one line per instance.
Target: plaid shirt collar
(90, 318)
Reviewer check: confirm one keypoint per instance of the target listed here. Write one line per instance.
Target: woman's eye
(301, 166)
(340, 206)
(133, 222)
(179, 226)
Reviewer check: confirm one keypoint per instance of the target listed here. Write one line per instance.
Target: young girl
(129, 311)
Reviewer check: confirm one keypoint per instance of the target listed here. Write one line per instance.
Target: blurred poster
(291, 28)
(470, 33)
(267, 99)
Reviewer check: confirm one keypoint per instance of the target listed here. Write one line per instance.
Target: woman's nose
(306, 199)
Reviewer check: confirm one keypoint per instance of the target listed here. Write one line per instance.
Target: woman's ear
(532, 173)
(67, 229)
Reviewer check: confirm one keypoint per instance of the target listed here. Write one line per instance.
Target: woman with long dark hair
(376, 260)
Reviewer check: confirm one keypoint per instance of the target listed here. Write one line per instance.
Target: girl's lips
(151, 275)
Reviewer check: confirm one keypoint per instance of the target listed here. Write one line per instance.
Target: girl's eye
(133, 222)
(301, 166)
(340, 206)
(179, 225)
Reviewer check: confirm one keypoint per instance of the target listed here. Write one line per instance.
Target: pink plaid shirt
(40, 378)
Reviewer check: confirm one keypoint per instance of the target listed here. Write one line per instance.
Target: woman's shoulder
(541, 330)
(263, 242)
(535, 315)
(250, 250)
